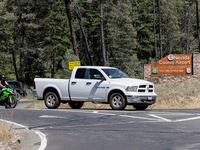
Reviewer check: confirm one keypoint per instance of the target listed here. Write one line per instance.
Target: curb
(30, 139)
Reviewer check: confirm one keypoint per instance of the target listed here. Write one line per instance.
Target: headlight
(131, 88)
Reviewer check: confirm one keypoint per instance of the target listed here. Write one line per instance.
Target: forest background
(38, 38)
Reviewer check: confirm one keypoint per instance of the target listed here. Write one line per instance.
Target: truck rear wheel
(140, 107)
(51, 100)
(75, 105)
(117, 101)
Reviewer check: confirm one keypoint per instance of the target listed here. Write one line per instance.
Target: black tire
(51, 100)
(140, 107)
(11, 102)
(117, 101)
(17, 96)
(76, 105)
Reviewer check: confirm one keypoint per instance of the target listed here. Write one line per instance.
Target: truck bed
(61, 85)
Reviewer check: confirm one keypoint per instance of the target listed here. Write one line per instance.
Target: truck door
(95, 89)
(77, 86)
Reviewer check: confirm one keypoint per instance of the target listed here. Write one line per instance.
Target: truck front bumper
(138, 99)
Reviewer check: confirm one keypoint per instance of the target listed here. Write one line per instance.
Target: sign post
(72, 64)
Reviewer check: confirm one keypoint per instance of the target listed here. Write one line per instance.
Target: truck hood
(130, 81)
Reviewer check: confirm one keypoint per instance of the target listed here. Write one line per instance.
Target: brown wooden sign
(173, 64)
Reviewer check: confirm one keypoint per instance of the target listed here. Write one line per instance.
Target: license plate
(149, 98)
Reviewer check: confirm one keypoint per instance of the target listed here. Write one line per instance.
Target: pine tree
(121, 33)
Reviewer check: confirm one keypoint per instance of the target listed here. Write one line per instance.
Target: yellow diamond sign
(72, 64)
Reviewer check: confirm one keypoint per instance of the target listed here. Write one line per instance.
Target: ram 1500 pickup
(95, 84)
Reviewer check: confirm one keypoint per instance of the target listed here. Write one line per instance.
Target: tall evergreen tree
(145, 30)
(160, 30)
(102, 34)
(154, 26)
(189, 21)
(197, 20)
(68, 11)
(122, 34)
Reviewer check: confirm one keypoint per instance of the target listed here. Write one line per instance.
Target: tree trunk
(53, 62)
(85, 37)
(188, 31)
(68, 11)
(154, 25)
(21, 33)
(197, 14)
(160, 30)
(21, 48)
(106, 34)
(14, 63)
(102, 34)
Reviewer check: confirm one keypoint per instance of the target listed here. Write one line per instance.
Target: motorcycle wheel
(11, 102)
(17, 96)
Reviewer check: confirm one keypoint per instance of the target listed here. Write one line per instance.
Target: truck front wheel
(117, 101)
(140, 107)
(51, 100)
(75, 105)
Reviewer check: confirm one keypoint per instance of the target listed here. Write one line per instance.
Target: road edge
(42, 136)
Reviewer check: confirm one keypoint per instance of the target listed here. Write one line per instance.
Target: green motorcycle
(8, 97)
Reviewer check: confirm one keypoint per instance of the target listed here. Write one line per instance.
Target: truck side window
(80, 73)
(93, 72)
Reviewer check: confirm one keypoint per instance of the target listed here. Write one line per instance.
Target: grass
(7, 137)
(184, 95)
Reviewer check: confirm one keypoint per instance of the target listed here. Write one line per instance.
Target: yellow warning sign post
(72, 64)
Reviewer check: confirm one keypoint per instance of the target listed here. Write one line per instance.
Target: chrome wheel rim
(117, 101)
(51, 100)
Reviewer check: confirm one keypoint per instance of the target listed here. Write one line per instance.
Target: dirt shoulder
(18, 137)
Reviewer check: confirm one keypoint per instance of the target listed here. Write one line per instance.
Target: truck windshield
(115, 73)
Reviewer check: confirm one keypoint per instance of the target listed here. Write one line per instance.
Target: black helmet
(3, 77)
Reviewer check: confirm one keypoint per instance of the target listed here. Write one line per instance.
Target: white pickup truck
(95, 84)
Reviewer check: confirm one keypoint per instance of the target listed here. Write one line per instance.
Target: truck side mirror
(97, 76)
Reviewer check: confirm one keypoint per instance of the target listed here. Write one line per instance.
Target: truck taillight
(34, 85)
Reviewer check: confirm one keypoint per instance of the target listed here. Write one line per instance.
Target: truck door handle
(88, 83)
(73, 83)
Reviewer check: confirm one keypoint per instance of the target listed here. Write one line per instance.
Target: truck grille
(145, 88)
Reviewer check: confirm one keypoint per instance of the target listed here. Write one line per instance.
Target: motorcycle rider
(3, 84)
(3, 81)
(11, 102)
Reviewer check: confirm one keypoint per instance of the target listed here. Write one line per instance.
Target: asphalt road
(92, 129)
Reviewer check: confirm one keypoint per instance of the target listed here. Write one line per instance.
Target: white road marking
(138, 117)
(99, 113)
(188, 119)
(48, 116)
(42, 136)
(160, 117)
(22, 126)
(105, 112)
(43, 140)
(95, 112)
(171, 113)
